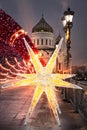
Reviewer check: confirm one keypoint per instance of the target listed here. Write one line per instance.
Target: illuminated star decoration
(45, 81)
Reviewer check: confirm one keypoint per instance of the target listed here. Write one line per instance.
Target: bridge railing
(77, 97)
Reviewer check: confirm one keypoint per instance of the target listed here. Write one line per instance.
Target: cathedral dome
(42, 26)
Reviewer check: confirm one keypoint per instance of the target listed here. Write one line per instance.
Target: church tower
(43, 38)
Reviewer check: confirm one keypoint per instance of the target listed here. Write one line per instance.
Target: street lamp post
(67, 25)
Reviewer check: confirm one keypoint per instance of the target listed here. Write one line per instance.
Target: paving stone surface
(14, 105)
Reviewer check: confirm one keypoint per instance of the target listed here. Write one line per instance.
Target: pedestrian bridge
(15, 102)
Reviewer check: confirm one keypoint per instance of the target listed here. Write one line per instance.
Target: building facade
(43, 38)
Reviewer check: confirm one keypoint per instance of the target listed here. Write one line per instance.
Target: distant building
(43, 38)
(80, 69)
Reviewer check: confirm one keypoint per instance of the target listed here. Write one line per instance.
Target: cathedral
(43, 38)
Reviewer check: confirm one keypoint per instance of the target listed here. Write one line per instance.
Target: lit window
(59, 66)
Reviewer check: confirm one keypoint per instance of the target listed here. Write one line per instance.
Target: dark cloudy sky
(28, 12)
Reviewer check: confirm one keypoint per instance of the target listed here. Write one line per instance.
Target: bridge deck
(14, 104)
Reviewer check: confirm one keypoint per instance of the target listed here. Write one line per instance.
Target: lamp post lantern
(67, 25)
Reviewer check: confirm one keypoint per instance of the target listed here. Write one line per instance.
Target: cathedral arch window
(37, 41)
(50, 42)
(46, 41)
(41, 41)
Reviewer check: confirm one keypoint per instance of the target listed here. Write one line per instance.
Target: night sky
(28, 12)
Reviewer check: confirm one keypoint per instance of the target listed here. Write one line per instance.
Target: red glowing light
(11, 33)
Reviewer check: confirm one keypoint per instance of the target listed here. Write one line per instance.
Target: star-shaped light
(45, 81)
